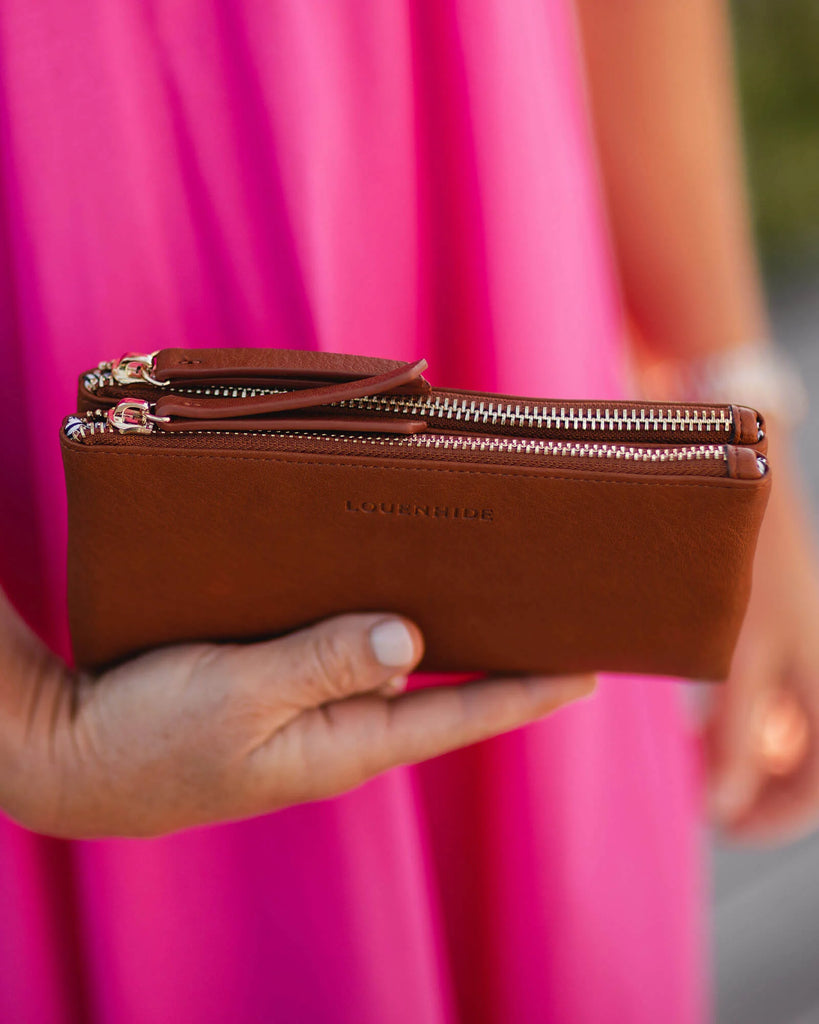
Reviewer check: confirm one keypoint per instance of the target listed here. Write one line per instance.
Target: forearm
(662, 98)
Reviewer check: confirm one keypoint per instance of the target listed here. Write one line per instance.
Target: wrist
(757, 374)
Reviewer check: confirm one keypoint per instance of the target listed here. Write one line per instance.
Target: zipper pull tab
(137, 368)
(134, 416)
(253, 367)
(290, 401)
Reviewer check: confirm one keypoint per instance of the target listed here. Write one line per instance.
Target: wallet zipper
(445, 409)
(700, 459)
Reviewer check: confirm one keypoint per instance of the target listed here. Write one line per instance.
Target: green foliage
(777, 51)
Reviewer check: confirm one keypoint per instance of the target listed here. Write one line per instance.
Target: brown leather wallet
(231, 494)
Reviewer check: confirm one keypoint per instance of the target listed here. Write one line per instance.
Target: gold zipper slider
(133, 416)
(137, 368)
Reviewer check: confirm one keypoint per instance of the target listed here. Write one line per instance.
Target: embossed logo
(460, 513)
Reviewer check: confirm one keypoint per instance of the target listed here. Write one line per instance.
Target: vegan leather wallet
(231, 495)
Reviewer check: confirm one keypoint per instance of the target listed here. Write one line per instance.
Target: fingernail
(555, 691)
(392, 643)
(576, 689)
(394, 686)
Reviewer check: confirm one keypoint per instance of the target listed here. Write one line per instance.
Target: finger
(356, 739)
(784, 811)
(732, 736)
(332, 660)
(393, 686)
(427, 723)
(787, 803)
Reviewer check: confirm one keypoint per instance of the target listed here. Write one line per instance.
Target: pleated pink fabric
(400, 178)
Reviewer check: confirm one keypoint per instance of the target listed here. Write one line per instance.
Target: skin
(664, 111)
(205, 733)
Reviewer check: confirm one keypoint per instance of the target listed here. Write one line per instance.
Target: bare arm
(665, 117)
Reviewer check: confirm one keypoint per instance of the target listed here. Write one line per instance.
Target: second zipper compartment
(705, 460)
(438, 409)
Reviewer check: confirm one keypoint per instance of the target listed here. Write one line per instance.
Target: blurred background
(766, 903)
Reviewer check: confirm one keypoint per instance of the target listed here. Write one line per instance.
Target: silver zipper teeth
(530, 446)
(555, 417)
(78, 428)
(488, 413)
(99, 378)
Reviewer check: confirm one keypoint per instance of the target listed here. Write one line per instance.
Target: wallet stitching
(544, 475)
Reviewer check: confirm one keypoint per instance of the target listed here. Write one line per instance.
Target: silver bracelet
(757, 375)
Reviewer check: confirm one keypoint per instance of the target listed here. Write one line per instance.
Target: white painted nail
(392, 644)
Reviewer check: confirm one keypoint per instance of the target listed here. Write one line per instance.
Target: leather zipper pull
(195, 408)
(137, 416)
(253, 367)
(285, 423)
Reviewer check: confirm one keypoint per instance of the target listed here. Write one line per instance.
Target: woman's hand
(203, 733)
(770, 704)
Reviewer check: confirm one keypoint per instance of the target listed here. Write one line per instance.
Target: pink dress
(398, 178)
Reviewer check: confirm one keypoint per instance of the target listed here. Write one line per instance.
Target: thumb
(335, 659)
